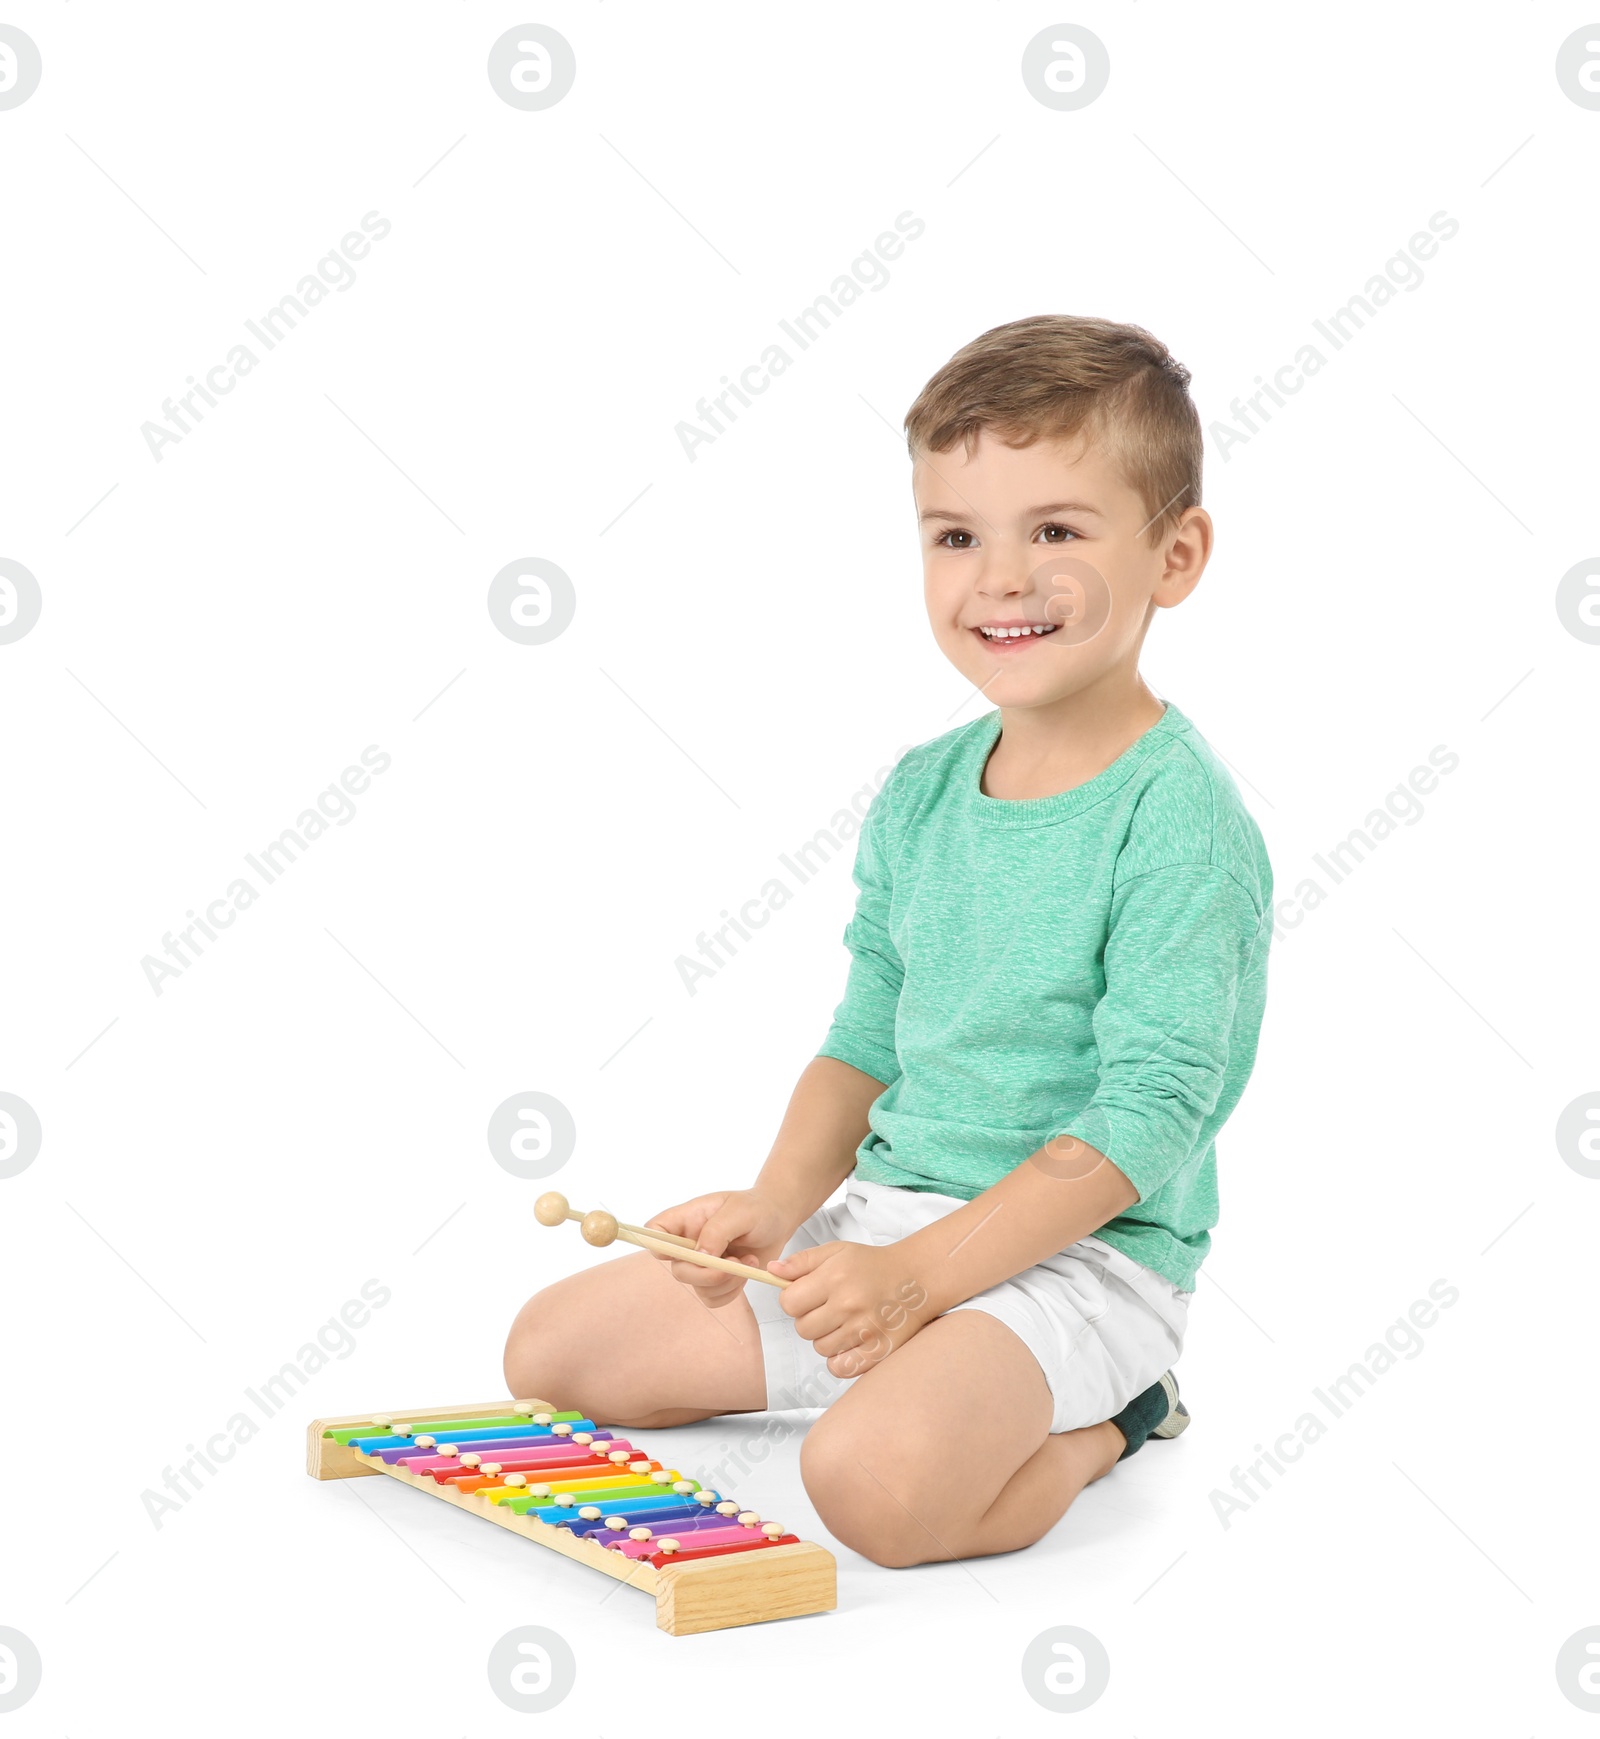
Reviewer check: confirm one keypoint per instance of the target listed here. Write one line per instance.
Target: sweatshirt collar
(1046, 811)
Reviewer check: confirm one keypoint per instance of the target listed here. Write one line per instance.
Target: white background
(224, 1164)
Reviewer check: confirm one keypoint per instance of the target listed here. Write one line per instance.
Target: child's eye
(1066, 531)
(945, 536)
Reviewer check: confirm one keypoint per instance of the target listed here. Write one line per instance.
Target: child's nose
(1003, 576)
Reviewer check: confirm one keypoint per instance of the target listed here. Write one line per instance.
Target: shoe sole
(1177, 1419)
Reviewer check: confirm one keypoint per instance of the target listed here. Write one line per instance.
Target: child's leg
(942, 1451)
(627, 1345)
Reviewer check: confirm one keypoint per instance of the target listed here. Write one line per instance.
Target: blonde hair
(1060, 376)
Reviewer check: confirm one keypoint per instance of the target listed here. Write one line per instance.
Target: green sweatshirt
(1091, 964)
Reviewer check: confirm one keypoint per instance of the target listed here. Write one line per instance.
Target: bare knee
(601, 1343)
(869, 1500)
(543, 1356)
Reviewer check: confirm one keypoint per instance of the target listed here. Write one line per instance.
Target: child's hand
(743, 1225)
(855, 1303)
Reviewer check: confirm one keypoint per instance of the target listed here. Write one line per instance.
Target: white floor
(1401, 1575)
(242, 1123)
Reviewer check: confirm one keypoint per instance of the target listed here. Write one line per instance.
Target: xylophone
(594, 1495)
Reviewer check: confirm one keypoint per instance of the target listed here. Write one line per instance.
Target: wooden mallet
(600, 1228)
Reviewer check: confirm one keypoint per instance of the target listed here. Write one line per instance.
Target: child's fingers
(713, 1290)
(846, 1338)
(701, 1280)
(855, 1361)
(728, 1225)
(685, 1219)
(805, 1291)
(850, 1361)
(716, 1300)
(692, 1274)
(819, 1321)
(802, 1261)
(659, 1251)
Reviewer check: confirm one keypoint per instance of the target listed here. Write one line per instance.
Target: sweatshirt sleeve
(1180, 945)
(862, 1033)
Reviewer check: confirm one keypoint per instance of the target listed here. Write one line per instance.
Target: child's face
(1049, 539)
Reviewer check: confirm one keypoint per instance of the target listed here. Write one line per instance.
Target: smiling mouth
(1014, 635)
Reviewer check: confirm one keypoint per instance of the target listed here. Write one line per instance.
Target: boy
(1058, 966)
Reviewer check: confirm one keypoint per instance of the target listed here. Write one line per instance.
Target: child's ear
(1186, 558)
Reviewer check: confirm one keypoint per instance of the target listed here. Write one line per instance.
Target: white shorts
(1102, 1326)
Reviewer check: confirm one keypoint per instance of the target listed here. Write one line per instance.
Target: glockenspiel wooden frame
(707, 1594)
